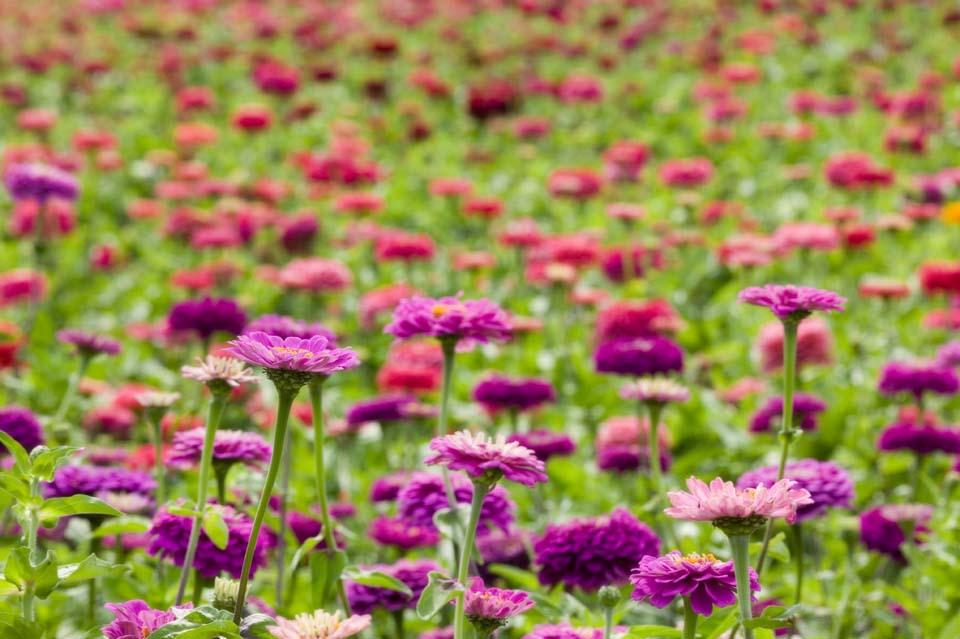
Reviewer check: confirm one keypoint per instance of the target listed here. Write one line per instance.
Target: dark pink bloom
(792, 301)
(482, 457)
(314, 355)
(449, 317)
(705, 579)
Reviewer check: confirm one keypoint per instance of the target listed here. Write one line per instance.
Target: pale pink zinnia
(481, 456)
(320, 625)
(721, 499)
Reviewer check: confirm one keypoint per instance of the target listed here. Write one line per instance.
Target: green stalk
(71, 392)
(33, 525)
(315, 387)
(656, 473)
(281, 549)
(400, 630)
(798, 558)
(284, 404)
(158, 469)
(217, 405)
(449, 346)
(689, 620)
(480, 491)
(740, 549)
(608, 622)
(787, 431)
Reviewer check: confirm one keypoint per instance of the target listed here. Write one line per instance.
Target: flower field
(456, 319)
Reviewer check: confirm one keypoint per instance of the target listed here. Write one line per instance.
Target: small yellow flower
(951, 213)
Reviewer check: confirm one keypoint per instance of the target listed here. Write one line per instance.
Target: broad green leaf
(216, 528)
(15, 627)
(447, 521)
(718, 624)
(58, 507)
(184, 511)
(439, 592)
(90, 568)
(20, 457)
(45, 576)
(375, 579)
(325, 569)
(516, 576)
(652, 632)
(256, 626)
(45, 461)
(122, 526)
(14, 486)
(308, 544)
(18, 570)
(186, 629)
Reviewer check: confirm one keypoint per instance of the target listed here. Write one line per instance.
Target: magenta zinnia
(482, 457)
(706, 580)
(489, 608)
(449, 317)
(790, 301)
(314, 355)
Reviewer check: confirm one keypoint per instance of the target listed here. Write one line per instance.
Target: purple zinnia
(487, 459)
(135, 619)
(545, 443)
(88, 344)
(35, 181)
(207, 316)
(882, 530)
(229, 447)
(829, 485)
(305, 525)
(706, 580)
(22, 425)
(805, 410)
(593, 552)
(283, 326)
(922, 439)
(792, 302)
(948, 355)
(563, 631)
(170, 534)
(316, 355)
(503, 547)
(386, 488)
(366, 599)
(94, 480)
(393, 531)
(639, 356)
(424, 495)
(917, 379)
(467, 321)
(382, 410)
(499, 393)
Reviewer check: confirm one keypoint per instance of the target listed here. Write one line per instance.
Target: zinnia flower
(593, 552)
(917, 379)
(319, 625)
(315, 355)
(639, 356)
(39, 182)
(229, 447)
(921, 439)
(207, 316)
(720, 501)
(213, 369)
(490, 608)
(829, 485)
(792, 302)
(660, 390)
(489, 459)
(545, 443)
(135, 620)
(394, 531)
(805, 410)
(498, 393)
(87, 344)
(22, 425)
(283, 326)
(424, 494)
(882, 528)
(366, 599)
(706, 580)
(449, 317)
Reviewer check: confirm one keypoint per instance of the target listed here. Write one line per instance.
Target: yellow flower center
(697, 558)
(286, 350)
(442, 309)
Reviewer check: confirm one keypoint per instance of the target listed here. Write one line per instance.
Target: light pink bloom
(320, 625)
(721, 499)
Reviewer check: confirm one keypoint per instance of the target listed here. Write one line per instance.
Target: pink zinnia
(792, 301)
(480, 456)
(449, 317)
(721, 500)
(319, 625)
(315, 355)
(486, 607)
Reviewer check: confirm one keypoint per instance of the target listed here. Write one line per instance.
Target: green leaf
(90, 568)
(18, 570)
(122, 526)
(45, 461)
(375, 579)
(718, 624)
(652, 632)
(516, 576)
(45, 576)
(325, 569)
(14, 486)
(447, 521)
(216, 528)
(439, 592)
(20, 457)
(184, 511)
(763, 633)
(15, 627)
(308, 544)
(187, 629)
(58, 507)
(256, 626)
(777, 550)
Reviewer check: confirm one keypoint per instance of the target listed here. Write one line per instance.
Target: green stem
(221, 476)
(158, 469)
(284, 404)
(608, 622)
(33, 525)
(656, 472)
(71, 392)
(282, 524)
(689, 620)
(787, 431)
(217, 405)
(400, 630)
(740, 549)
(919, 462)
(798, 558)
(480, 491)
(449, 346)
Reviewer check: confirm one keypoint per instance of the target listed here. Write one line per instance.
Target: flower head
(468, 321)
(207, 316)
(95, 480)
(829, 485)
(484, 458)
(563, 631)
(88, 344)
(396, 532)
(705, 579)
(424, 494)
(22, 425)
(660, 390)
(156, 399)
(917, 379)
(882, 528)
(792, 302)
(229, 447)
(593, 552)
(320, 625)
(721, 502)
(545, 443)
(498, 392)
(414, 573)
(34, 181)
(315, 355)
(135, 620)
(283, 326)
(489, 608)
(805, 410)
(653, 355)
(215, 370)
(921, 439)
(380, 409)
